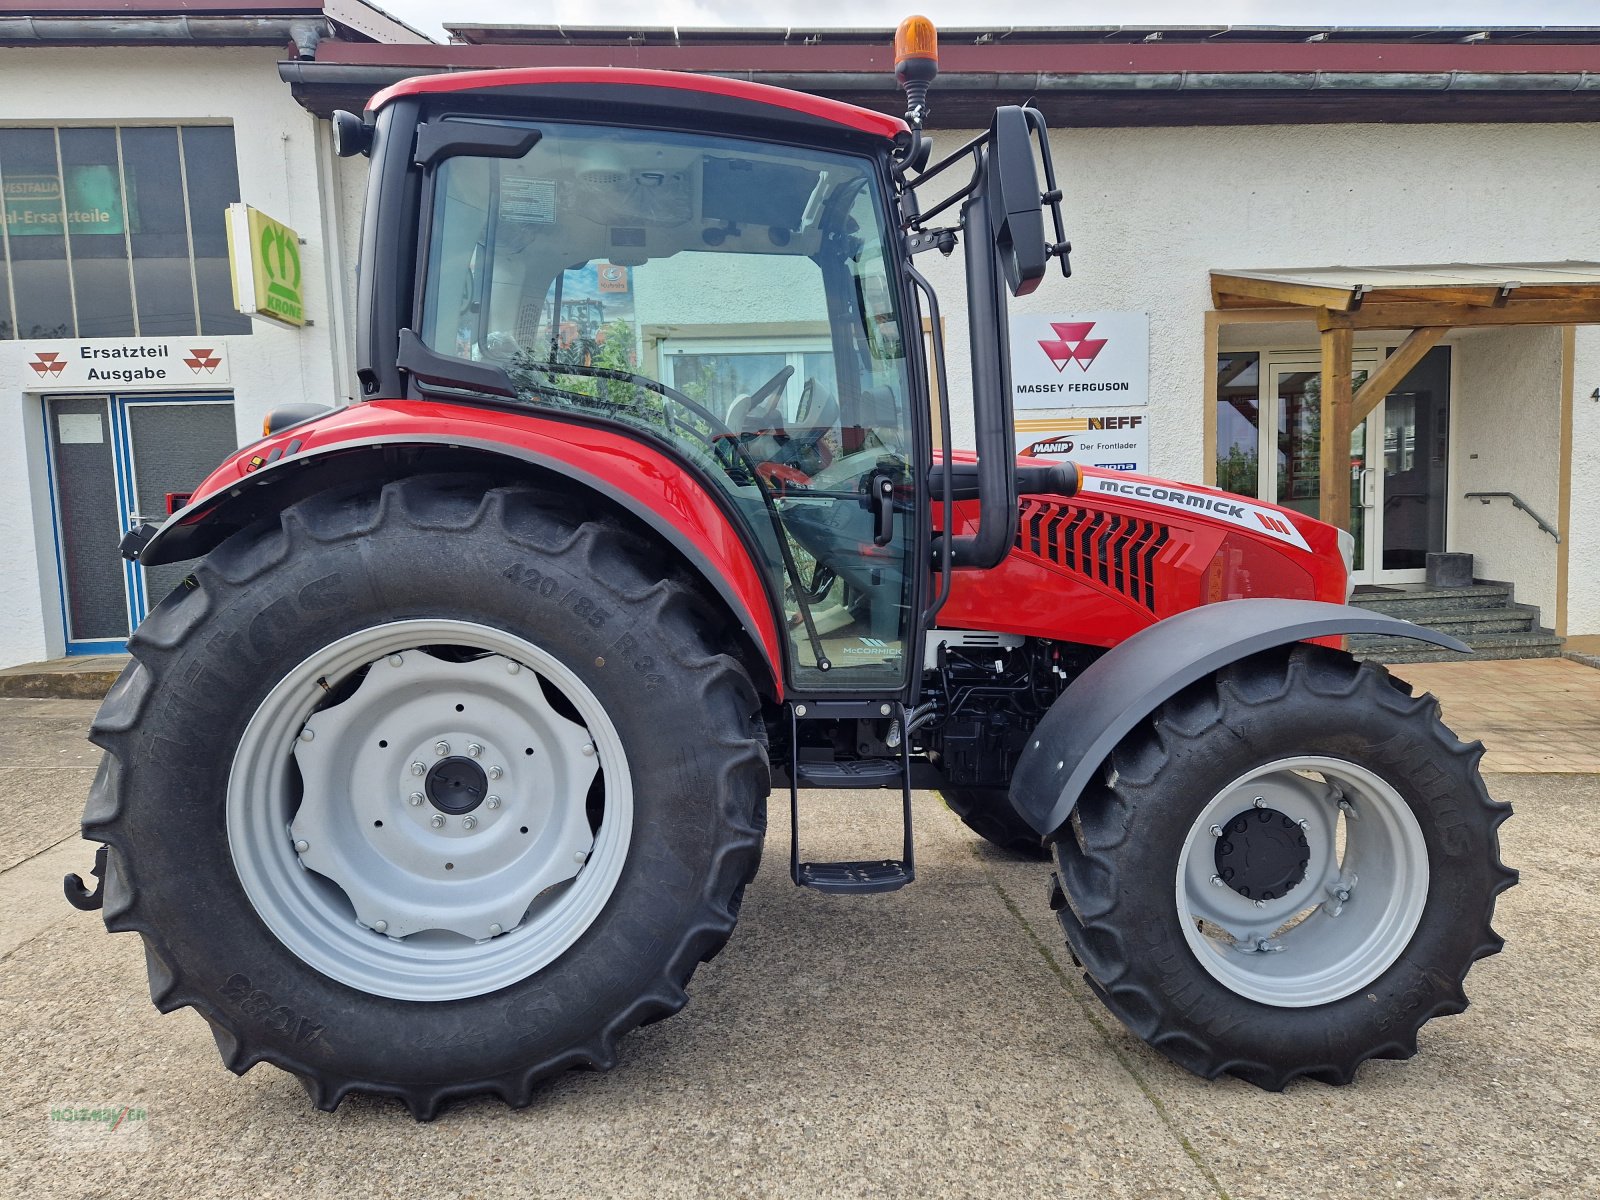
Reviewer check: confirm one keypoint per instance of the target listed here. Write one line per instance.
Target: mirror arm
(988, 330)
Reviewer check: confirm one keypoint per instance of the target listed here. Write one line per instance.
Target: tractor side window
(732, 300)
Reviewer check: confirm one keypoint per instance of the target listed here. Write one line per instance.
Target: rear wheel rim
(457, 880)
(1297, 936)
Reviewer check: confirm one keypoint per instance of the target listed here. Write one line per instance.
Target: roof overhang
(1103, 81)
(1410, 297)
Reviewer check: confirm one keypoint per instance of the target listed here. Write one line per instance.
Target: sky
(429, 15)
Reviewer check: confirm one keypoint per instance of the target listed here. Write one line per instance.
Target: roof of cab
(849, 116)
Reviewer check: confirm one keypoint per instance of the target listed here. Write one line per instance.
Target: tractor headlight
(1347, 551)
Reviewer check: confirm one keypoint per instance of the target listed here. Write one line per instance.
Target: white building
(1181, 153)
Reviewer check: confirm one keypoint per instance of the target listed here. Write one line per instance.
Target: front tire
(1286, 871)
(988, 812)
(368, 926)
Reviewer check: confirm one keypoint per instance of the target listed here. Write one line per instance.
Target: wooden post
(1338, 343)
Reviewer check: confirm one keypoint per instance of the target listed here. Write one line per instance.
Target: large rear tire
(1286, 871)
(428, 792)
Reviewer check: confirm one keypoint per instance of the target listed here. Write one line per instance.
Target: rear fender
(1131, 680)
(388, 440)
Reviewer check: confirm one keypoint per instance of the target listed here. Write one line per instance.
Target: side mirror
(1016, 213)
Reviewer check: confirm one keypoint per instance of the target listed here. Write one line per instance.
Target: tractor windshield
(732, 298)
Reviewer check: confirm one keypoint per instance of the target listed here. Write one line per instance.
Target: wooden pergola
(1427, 301)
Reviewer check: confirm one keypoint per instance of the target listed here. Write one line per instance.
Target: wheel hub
(1262, 854)
(456, 785)
(464, 845)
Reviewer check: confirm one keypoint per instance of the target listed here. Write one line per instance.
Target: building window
(116, 232)
(1239, 423)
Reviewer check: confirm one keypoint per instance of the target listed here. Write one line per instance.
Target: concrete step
(1536, 643)
(1483, 594)
(85, 677)
(1466, 622)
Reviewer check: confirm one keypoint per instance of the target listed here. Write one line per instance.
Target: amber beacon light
(916, 63)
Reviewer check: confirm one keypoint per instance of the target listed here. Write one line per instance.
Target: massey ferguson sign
(1094, 360)
(131, 364)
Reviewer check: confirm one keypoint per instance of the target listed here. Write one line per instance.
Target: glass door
(1291, 450)
(112, 461)
(1399, 458)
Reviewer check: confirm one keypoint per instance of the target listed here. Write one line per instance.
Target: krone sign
(1095, 360)
(265, 259)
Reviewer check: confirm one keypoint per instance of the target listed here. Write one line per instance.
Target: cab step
(886, 875)
(862, 876)
(853, 773)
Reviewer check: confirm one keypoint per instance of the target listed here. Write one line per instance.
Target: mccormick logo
(202, 360)
(48, 366)
(1074, 344)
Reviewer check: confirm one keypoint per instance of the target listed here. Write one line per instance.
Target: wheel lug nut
(1216, 881)
(495, 929)
(380, 926)
(496, 772)
(588, 751)
(395, 660)
(415, 799)
(1261, 903)
(493, 801)
(512, 668)
(1259, 802)
(1216, 831)
(301, 846)
(580, 856)
(474, 750)
(469, 822)
(306, 735)
(419, 768)
(441, 748)
(436, 821)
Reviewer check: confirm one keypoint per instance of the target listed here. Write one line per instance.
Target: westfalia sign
(1098, 359)
(130, 364)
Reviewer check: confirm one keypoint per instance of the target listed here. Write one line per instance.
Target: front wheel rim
(1295, 935)
(456, 880)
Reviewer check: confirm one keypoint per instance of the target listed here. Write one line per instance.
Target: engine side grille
(1114, 550)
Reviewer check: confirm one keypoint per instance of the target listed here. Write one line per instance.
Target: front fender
(1128, 683)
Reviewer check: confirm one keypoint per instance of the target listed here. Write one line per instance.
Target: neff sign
(1096, 359)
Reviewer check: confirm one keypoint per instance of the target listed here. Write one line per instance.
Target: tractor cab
(537, 238)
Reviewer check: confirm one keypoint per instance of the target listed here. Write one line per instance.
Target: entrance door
(112, 460)
(1397, 459)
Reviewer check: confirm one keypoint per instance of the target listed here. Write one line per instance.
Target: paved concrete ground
(932, 1042)
(1540, 715)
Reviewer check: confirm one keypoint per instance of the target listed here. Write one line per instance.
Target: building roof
(1102, 76)
(170, 22)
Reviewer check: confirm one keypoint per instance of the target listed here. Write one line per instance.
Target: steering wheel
(745, 409)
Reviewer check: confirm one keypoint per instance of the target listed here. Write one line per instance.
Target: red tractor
(449, 761)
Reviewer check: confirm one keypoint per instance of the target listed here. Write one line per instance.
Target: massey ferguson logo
(1073, 344)
(48, 366)
(202, 360)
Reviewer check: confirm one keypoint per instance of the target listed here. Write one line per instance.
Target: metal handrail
(1516, 502)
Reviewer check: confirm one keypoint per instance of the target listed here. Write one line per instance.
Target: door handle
(881, 501)
(1369, 493)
